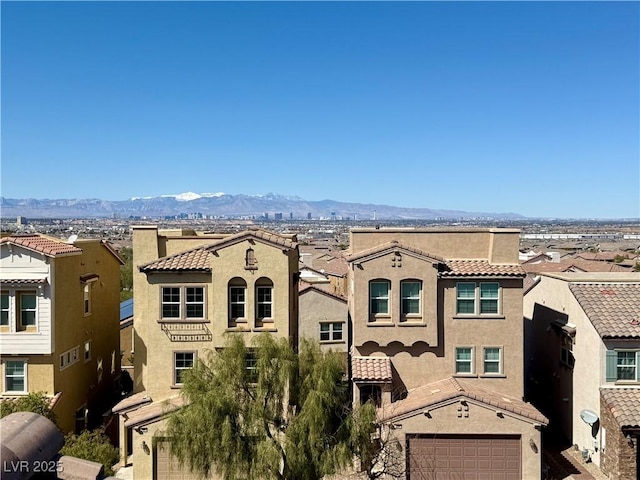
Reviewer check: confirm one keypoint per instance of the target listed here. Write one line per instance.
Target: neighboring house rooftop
(481, 268)
(304, 287)
(612, 308)
(624, 404)
(126, 309)
(451, 389)
(197, 259)
(573, 265)
(371, 369)
(51, 247)
(385, 247)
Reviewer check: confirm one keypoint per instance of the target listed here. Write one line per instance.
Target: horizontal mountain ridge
(225, 205)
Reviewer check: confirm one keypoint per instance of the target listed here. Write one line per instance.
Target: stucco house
(436, 321)
(59, 329)
(191, 289)
(583, 363)
(323, 317)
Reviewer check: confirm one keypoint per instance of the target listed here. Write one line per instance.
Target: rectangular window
(183, 303)
(15, 376)
(264, 302)
(489, 298)
(170, 302)
(251, 365)
(477, 299)
(464, 360)
(181, 361)
(379, 297)
(492, 360)
(466, 298)
(28, 304)
(410, 291)
(87, 299)
(4, 309)
(330, 332)
(627, 366)
(69, 357)
(623, 365)
(87, 351)
(195, 302)
(237, 302)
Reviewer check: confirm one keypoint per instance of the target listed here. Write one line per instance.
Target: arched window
(264, 300)
(237, 301)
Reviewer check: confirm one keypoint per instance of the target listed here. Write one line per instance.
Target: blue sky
(519, 107)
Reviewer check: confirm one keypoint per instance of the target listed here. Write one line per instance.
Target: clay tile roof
(322, 288)
(192, 260)
(373, 369)
(151, 411)
(612, 308)
(51, 247)
(135, 400)
(23, 281)
(481, 268)
(422, 397)
(572, 265)
(624, 404)
(275, 239)
(390, 246)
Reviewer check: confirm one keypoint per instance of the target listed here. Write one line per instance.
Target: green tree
(265, 412)
(126, 273)
(92, 445)
(36, 402)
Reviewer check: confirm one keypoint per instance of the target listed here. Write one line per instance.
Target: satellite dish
(72, 239)
(589, 417)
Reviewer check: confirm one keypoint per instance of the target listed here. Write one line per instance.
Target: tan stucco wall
(571, 391)
(317, 308)
(498, 245)
(154, 350)
(481, 420)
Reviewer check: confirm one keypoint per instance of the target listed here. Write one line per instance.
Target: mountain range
(224, 205)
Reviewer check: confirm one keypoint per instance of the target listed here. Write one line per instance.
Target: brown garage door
(463, 457)
(167, 467)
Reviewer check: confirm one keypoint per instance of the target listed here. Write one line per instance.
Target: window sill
(412, 323)
(465, 375)
(175, 387)
(241, 328)
(627, 382)
(15, 394)
(265, 329)
(478, 317)
(183, 320)
(331, 342)
(386, 323)
(493, 375)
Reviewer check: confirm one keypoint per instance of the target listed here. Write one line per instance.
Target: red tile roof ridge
(42, 244)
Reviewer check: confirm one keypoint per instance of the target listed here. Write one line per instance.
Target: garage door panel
(464, 457)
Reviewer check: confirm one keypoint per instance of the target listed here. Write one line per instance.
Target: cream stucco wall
(481, 420)
(316, 308)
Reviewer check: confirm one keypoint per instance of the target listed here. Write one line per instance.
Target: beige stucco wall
(481, 420)
(432, 341)
(153, 348)
(497, 245)
(316, 308)
(579, 387)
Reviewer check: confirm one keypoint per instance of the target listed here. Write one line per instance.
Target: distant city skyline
(525, 107)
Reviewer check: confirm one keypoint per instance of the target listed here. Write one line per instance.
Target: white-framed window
(237, 301)
(251, 365)
(87, 351)
(379, 297)
(411, 292)
(15, 376)
(182, 361)
(623, 365)
(264, 300)
(28, 313)
(464, 361)
(492, 360)
(477, 298)
(87, 298)
(69, 357)
(182, 302)
(331, 332)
